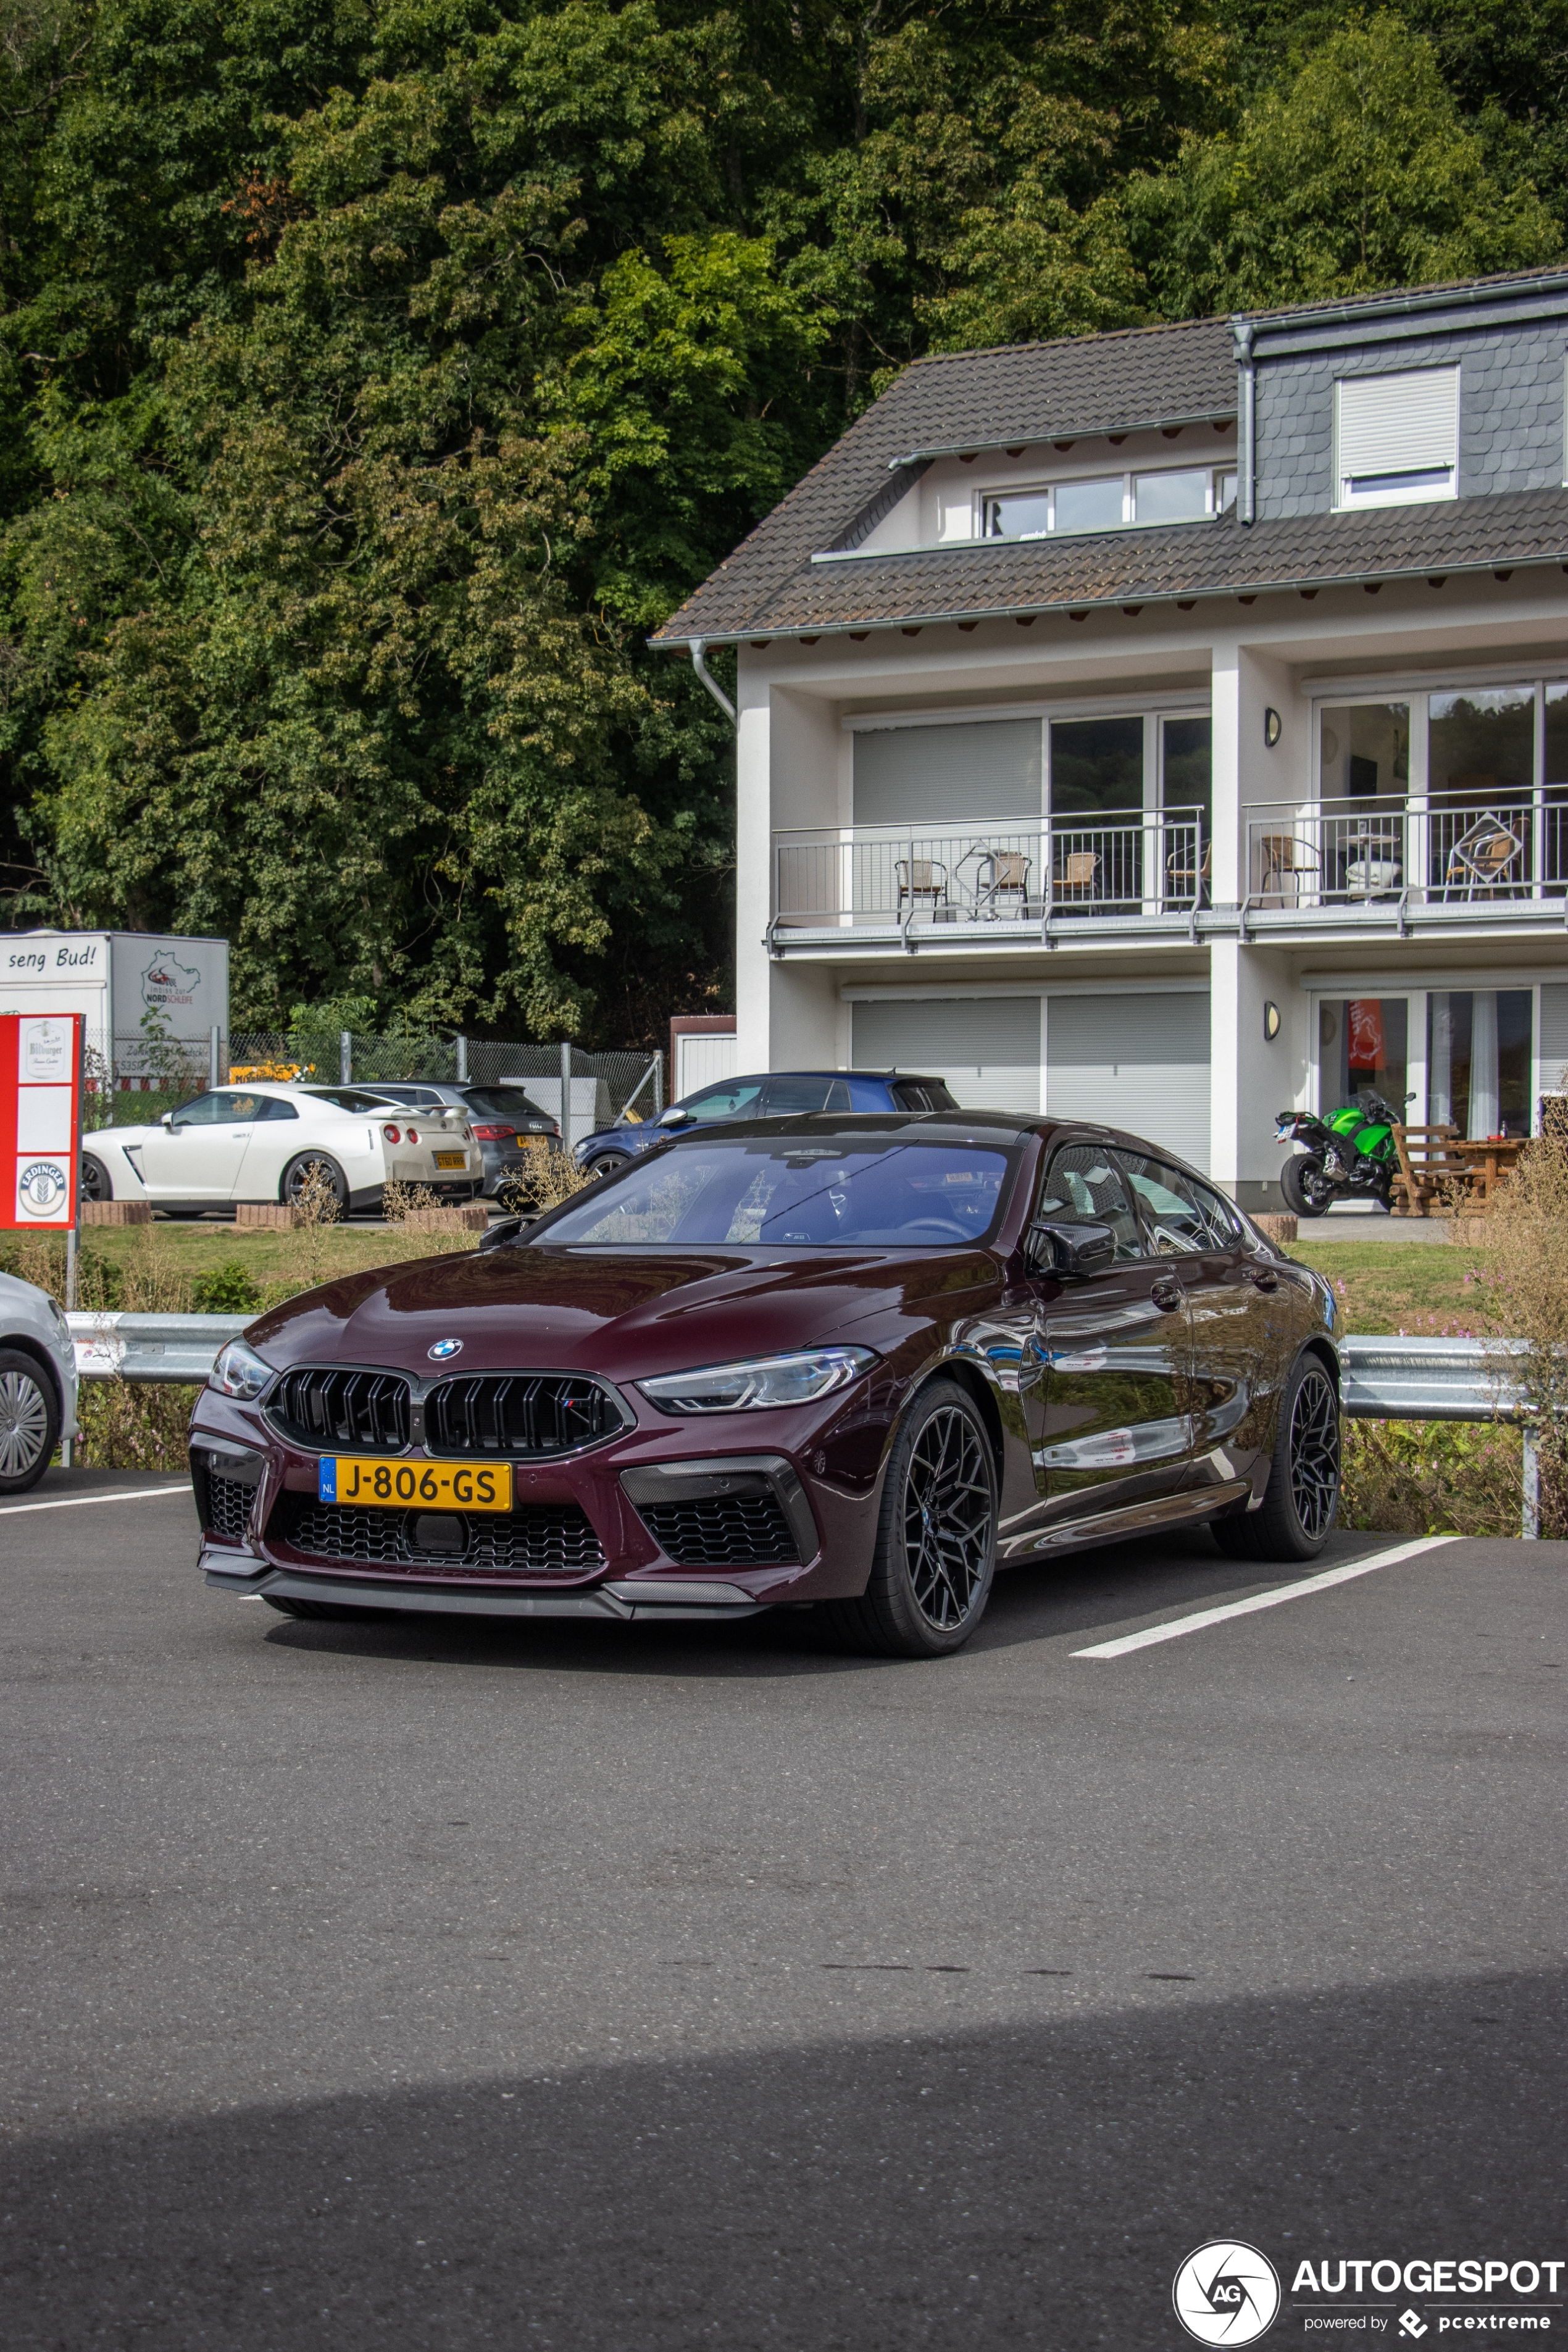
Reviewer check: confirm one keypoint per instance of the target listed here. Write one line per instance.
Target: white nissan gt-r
(266, 1142)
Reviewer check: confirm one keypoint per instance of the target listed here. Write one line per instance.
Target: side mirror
(504, 1230)
(673, 1116)
(167, 1119)
(1074, 1252)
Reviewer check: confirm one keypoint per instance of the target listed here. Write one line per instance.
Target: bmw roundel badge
(443, 1349)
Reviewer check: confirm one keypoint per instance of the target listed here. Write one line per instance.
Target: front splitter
(288, 1584)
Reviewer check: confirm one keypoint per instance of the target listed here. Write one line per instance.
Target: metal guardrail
(1385, 1378)
(150, 1347)
(1430, 1380)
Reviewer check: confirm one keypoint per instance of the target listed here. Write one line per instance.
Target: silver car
(37, 1383)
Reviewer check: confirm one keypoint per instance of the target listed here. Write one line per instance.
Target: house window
(1365, 753)
(1396, 438)
(1107, 502)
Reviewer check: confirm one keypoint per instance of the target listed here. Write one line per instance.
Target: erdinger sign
(40, 1120)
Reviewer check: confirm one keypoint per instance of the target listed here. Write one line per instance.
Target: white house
(1170, 727)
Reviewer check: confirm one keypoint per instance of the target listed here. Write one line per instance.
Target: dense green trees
(375, 373)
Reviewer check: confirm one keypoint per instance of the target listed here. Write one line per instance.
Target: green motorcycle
(1350, 1155)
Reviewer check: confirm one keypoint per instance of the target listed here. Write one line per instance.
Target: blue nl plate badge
(327, 1479)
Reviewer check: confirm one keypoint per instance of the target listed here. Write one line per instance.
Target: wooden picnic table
(1489, 1162)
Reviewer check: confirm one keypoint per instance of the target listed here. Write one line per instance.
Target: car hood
(624, 1313)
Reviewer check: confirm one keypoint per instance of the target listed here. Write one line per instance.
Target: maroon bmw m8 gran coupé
(854, 1363)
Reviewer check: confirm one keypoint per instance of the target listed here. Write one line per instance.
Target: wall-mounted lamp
(1270, 1023)
(1273, 727)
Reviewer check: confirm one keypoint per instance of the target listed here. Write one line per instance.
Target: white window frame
(1394, 486)
(1214, 502)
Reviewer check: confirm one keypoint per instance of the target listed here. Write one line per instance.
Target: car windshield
(813, 1192)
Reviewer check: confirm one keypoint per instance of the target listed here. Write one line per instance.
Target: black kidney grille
(537, 1539)
(228, 1507)
(326, 1409)
(723, 1531)
(520, 1415)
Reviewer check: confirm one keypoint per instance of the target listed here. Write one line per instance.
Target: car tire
(607, 1163)
(1306, 1195)
(298, 1174)
(29, 1421)
(936, 1536)
(1301, 1500)
(94, 1179)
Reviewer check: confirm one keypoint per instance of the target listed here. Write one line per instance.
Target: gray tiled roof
(1041, 391)
(972, 400)
(996, 577)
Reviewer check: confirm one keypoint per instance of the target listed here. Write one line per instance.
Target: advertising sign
(40, 1120)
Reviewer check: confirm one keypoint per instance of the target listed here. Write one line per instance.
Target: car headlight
(240, 1372)
(760, 1382)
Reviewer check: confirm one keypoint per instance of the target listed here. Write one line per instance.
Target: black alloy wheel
(608, 1164)
(1308, 1190)
(311, 1176)
(29, 1421)
(936, 1539)
(95, 1185)
(1301, 1502)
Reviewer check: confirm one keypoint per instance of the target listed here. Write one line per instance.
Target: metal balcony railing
(1438, 852)
(1016, 872)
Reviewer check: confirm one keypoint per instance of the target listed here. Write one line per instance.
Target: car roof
(1012, 1125)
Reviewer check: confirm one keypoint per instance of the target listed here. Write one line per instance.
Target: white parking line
(74, 1502)
(1195, 1623)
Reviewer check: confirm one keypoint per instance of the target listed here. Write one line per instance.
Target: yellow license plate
(436, 1486)
(451, 1159)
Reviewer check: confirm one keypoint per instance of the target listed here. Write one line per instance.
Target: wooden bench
(1431, 1174)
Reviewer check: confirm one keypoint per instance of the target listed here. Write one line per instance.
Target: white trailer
(132, 987)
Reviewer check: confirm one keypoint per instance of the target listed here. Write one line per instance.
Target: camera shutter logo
(1226, 2293)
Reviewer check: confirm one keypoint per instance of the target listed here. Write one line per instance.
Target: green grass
(1386, 1286)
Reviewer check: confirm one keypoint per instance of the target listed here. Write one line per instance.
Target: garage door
(1137, 1062)
(986, 1047)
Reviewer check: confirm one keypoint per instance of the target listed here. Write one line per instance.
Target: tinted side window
(1179, 1213)
(274, 1107)
(737, 1098)
(203, 1112)
(1083, 1186)
(789, 1097)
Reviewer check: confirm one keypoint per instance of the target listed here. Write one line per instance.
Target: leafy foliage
(375, 376)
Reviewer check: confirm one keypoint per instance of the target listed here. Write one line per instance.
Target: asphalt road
(414, 1985)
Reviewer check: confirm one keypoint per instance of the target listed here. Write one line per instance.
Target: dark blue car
(776, 1095)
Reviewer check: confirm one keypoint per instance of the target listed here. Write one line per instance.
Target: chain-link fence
(135, 1078)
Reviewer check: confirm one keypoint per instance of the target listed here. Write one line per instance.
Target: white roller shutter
(986, 1047)
(950, 774)
(1135, 1062)
(703, 1060)
(1396, 424)
(1553, 1049)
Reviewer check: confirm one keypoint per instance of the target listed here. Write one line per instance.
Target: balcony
(1434, 865)
(1017, 882)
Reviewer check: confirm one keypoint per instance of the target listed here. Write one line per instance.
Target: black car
(857, 1363)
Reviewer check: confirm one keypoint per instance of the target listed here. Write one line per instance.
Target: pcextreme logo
(1226, 2293)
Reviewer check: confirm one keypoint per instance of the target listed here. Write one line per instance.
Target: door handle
(1167, 1296)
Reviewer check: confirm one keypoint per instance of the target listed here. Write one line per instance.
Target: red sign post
(40, 1127)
